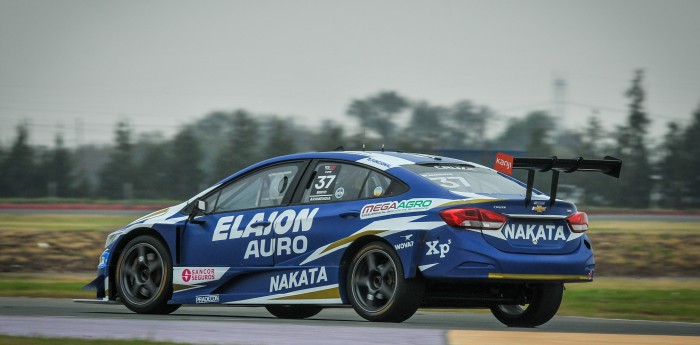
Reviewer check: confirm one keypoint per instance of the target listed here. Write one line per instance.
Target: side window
(260, 189)
(334, 181)
(377, 185)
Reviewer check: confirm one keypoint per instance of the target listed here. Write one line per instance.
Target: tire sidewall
(544, 305)
(407, 294)
(159, 303)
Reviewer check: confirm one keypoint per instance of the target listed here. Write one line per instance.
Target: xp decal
(382, 232)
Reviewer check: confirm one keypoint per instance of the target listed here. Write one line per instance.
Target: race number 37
(324, 181)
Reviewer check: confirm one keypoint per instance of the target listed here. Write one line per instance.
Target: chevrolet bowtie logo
(539, 208)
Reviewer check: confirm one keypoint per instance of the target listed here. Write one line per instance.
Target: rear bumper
(466, 255)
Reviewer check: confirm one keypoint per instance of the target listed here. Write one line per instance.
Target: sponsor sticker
(288, 227)
(297, 279)
(435, 248)
(324, 183)
(339, 192)
(452, 167)
(382, 161)
(534, 232)
(207, 299)
(197, 275)
(403, 245)
(504, 163)
(394, 207)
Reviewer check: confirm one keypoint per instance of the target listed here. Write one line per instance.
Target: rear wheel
(293, 311)
(144, 276)
(543, 303)
(376, 286)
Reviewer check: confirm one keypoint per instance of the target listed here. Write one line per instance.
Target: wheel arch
(119, 247)
(408, 262)
(346, 259)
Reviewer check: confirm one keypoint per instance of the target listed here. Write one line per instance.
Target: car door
(236, 228)
(333, 193)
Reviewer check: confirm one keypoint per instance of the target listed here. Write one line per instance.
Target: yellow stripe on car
(536, 276)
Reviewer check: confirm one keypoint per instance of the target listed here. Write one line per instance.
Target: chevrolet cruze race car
(384, 232)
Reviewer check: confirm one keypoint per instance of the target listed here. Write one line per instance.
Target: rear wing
(610, 166)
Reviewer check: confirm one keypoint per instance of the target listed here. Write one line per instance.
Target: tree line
(150, 166)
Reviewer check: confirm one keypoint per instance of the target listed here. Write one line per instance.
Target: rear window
(463, 179)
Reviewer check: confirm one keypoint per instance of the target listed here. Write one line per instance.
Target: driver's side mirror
(200, 208)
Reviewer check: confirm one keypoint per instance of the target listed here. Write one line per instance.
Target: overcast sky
(162, 64)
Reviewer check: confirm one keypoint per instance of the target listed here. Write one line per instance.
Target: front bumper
(101, 282)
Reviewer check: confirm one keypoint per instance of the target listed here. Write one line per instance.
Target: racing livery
(383, 232)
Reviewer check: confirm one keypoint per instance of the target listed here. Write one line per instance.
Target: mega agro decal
(289, 223)
(393, 207)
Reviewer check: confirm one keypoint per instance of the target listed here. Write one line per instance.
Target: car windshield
(466, 179)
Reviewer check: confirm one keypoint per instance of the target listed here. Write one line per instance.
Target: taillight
(578, 221)
(473, 218)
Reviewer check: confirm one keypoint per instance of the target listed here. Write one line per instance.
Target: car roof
(393, 158)
(382, 160)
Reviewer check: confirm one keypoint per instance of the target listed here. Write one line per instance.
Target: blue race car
(384, 232)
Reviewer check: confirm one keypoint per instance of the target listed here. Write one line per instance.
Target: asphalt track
(251, 325)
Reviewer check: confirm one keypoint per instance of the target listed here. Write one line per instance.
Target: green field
(40, 285)
(651, 227)
(63, 222)
(635, 298)
(662, 256)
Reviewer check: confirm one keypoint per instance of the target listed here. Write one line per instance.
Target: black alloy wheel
(144, 277)
(377, 288)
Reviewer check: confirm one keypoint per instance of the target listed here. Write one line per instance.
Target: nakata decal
(197, 275)
(296, 279)
(288, 221)
(534, 232)
(393, 207)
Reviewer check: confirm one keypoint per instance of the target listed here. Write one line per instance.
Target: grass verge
(632, 298)
(38, 285)
(645, 227)
(63, 222)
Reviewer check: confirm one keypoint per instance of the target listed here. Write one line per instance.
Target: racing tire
(376, 286)
(293, 311)
(144, 276)
(543, 305)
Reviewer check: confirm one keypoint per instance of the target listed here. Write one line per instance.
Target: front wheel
(144, 276)
(293, 311)
(543, 303)
(376, 286)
